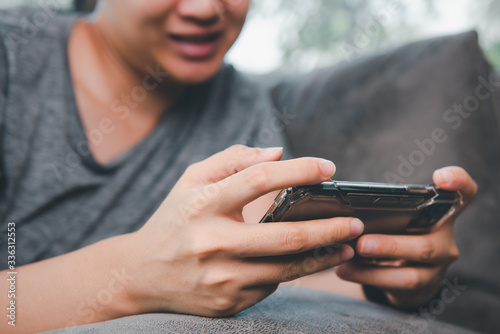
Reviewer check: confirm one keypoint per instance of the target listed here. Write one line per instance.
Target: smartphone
(385, 208)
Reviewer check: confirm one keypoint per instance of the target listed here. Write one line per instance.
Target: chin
(191, 73)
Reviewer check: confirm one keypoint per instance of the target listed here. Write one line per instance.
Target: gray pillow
(399, 115)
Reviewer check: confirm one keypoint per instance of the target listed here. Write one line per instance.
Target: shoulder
(33, 42)
(26, 27)
(29, 37)
(29, 20)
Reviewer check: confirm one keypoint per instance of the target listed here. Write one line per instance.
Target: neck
(145, 88)
(129, 100)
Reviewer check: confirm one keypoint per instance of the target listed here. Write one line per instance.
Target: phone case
(383, 207)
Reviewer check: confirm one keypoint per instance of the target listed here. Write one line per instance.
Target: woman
(101, 116)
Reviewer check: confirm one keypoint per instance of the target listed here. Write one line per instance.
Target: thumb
(456, 179)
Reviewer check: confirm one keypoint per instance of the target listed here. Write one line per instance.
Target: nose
(203, 12)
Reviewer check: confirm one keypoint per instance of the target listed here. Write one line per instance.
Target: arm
(80, 287)
(195, 255)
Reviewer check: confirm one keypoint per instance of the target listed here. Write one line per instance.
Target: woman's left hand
(426, 258)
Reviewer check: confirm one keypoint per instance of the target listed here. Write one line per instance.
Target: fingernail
(444, 176)
(357, 227)
(327, 168)
(369, 246)
(269, 151)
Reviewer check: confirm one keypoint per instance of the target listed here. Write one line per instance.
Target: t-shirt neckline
(79, 139)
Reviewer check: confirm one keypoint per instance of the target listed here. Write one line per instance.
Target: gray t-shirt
(58, 195)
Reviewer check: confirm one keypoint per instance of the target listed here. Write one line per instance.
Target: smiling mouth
(196, 47)
(199, 39)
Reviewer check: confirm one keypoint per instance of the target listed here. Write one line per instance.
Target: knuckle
(258, 178)
(194, 205)
(412, 279)
(292, 271)
(223, 306)
(311, 265)
(231, 167)
(390, 248)
(294, 239)
(210, 194)
(214, 279)
(192, 169)
(427, 251)
(238, 149)
(205, 248)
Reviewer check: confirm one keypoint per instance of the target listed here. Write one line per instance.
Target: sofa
(375, 117)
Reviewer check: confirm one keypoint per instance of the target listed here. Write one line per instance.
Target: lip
(195, 46)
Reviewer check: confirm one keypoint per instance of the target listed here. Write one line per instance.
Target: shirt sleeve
(3, 79)
(4, 70)
(3, 84)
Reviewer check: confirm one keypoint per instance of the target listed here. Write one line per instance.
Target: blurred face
(187, 38)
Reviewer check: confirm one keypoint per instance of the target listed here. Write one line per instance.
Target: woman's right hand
(197, 255)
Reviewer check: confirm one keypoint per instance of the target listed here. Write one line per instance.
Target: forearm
(85, 286)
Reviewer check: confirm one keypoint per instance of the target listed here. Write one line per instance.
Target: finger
(287, 268)
(435, 248)
(290, 238)
(456, 179)
(394, 278)
(228, 162)
(255, 181)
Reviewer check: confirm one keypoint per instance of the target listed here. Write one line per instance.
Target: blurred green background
(315, 32)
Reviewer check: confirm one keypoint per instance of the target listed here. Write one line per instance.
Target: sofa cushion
(289, 310)
(396, 117)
